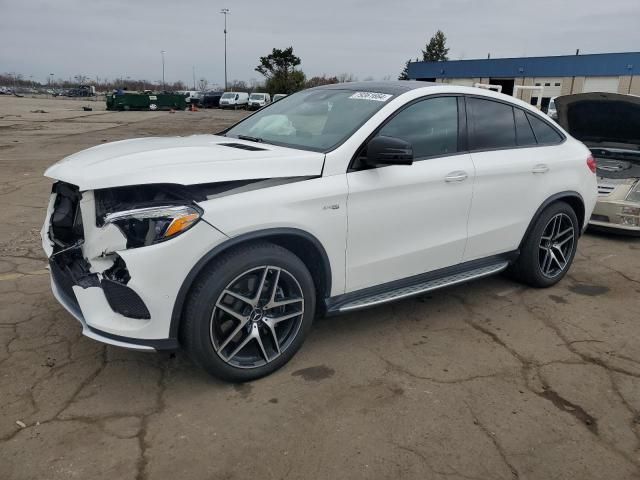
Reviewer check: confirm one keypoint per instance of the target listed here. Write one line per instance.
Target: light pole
(50, 79)
(225, 12)
(162, 52)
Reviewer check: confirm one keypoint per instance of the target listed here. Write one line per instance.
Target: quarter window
(492, 124)
(431, 126)
(524, 133)
(544, 132)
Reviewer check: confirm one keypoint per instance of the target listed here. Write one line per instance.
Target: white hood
(182, 160)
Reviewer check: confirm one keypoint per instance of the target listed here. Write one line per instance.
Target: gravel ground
(489, 380)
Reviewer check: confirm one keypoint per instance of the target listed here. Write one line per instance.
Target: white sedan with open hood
(609, 124)
(330, 200)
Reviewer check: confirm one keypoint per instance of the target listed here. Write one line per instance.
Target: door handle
(540, 168)
(457, 176)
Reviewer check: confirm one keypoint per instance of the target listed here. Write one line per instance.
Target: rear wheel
(153, 106)
(550, 247)
(249, 312)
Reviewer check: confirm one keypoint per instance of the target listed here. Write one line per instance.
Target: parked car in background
(609, 124)
(279, 96)
(231, 244)
(234, 100)
(211, 99)
(193, 97)
(258, 100)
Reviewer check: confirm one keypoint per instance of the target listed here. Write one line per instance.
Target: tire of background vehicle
(203, 320)
(153, 106)
(535, 266)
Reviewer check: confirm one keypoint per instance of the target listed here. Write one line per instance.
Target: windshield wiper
(250, 139)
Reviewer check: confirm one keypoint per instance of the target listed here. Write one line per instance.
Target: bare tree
(203, 84)
(346, 77)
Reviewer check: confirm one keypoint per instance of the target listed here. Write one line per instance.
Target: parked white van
(258, 100)
(234, 100)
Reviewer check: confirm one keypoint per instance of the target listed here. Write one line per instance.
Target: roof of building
(599, 64)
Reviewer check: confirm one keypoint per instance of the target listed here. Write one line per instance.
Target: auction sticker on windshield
(378, 97)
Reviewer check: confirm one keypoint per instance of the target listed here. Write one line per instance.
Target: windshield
(315, 120)
(257, 96)
(228, 95)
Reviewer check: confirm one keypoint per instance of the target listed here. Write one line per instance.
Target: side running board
(418, 288)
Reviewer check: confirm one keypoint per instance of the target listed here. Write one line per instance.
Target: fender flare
(545, 204)
(178, 305)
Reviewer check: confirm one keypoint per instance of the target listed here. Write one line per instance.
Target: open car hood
(189, 160)
(599, 118)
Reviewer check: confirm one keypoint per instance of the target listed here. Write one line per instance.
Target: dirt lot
(488, 380)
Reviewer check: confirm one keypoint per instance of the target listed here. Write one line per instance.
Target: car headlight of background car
(634, 193)
(146, 226)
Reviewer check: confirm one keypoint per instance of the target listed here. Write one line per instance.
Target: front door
(404, 220)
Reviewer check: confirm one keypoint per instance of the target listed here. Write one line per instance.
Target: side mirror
(388, 151)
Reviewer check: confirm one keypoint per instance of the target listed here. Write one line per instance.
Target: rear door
(405, 220)
(513, 165)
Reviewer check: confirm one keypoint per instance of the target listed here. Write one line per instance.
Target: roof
(395, 87)
(599, 64)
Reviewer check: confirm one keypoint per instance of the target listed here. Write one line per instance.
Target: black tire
(202, 322)
(531, 266)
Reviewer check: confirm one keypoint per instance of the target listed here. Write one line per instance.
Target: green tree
(279, 68)
(436, 50)
(404, 74)
(323, 80)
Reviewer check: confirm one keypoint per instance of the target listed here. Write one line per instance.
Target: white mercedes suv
(333, 199)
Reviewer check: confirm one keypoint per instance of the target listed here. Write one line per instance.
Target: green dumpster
(146, 101)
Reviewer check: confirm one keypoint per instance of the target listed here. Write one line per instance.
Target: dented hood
(599, 118)
(182, 160)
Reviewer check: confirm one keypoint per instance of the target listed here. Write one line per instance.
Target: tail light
(591, 163)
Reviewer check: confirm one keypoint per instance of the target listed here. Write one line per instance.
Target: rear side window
(431, 126)
(524, 133)
(492, 124)
(545, 134)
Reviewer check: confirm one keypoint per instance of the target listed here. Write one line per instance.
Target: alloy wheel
(556, 245)
(256, 317)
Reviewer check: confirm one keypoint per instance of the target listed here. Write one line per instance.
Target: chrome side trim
(424, 287)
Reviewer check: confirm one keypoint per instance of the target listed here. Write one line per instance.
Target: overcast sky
(368, 38)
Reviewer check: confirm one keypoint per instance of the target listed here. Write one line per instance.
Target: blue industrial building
(556, 75)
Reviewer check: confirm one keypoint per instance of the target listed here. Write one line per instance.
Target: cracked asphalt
(489, 380)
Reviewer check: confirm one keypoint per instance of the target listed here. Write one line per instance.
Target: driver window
(431, 126)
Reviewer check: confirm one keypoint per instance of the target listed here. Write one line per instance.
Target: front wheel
(249, 312)
(550, 247)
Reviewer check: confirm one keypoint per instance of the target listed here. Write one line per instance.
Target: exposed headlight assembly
(634, 193)
(146, 226)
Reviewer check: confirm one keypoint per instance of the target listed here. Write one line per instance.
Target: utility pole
(162, 52)
(225, 12)
(193, 68)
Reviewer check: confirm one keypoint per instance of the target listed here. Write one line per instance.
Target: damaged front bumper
(613, 211)
(616, 217)
(121, 296)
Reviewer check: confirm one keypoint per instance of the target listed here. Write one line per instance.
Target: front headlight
(146, 226)
(634, 193)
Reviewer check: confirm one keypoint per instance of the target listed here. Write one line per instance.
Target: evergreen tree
(404, 75)
(436, 50)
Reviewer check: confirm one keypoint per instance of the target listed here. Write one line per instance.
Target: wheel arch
(574, 199)
(301, 243)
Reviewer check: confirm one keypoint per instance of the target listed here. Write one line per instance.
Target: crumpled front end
(122, 293)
